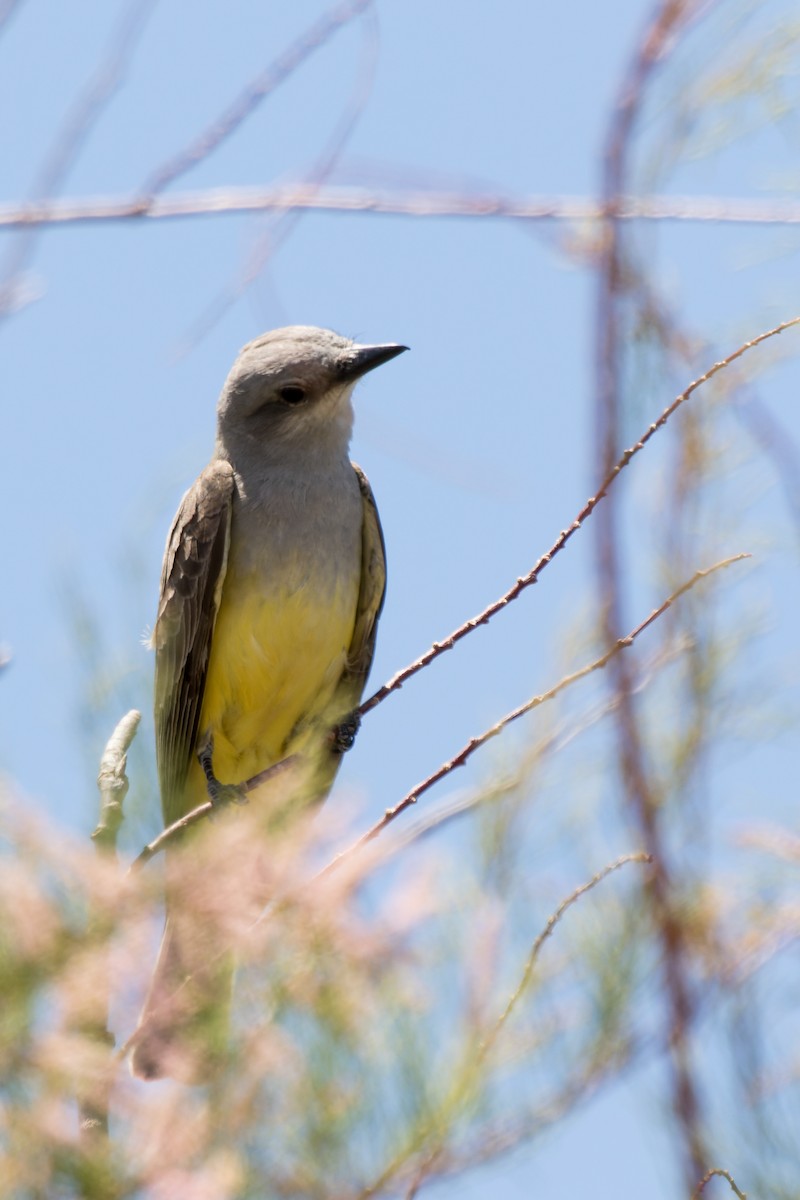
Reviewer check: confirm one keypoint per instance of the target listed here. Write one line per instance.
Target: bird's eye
(292, 394)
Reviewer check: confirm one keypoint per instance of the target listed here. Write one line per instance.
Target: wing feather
(370, 600)
(191, 586)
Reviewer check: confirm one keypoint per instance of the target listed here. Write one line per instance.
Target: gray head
(292, 387)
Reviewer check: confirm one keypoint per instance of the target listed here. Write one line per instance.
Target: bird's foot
(343, 735)
(220, 794)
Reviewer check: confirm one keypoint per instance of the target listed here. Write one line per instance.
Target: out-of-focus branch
(469, 1077)
(421, 202)
(670, 19)
(778, 445)
(591, 504)
(554, 918)
(92, 102)
(7, 10)
(285, 221)
(112, 782)
(264, 84)
(71, 137)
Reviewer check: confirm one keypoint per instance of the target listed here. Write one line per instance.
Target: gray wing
(370, 601)
(191, 586)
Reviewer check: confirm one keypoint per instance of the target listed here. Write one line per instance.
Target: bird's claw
(220, 794)
(343, 735)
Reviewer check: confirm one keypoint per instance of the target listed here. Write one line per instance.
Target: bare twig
(591, 504)
(553, 742)
(723, 1174)
(474, 743)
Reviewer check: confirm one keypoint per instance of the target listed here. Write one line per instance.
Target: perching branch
(177, 828)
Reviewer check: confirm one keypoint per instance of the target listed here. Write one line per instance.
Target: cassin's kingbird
(271, 588)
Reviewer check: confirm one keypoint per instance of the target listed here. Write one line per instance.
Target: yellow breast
(277, 655)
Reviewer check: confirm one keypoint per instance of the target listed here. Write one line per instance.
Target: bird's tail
(184, 1024)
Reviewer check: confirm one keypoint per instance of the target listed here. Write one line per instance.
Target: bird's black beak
(365, 358)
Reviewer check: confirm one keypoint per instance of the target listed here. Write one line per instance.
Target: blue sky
(478, 443)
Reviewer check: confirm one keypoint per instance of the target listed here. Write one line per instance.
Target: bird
(272, 585)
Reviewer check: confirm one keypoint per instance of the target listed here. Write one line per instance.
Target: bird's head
(292, 386)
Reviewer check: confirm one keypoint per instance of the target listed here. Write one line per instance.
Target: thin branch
(458, 760)
(591, 504)
(552, 743)
(256, 91)
(466, 1082)
(552, 921)
(422, 202)
(723, 1174)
